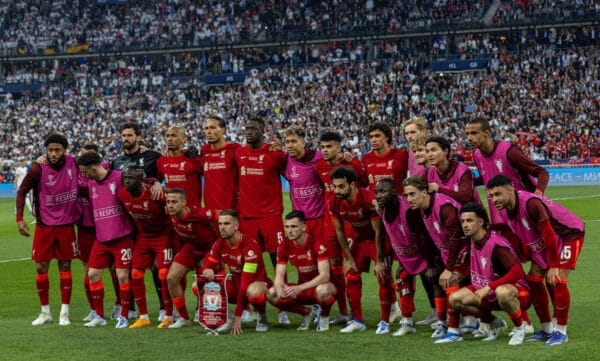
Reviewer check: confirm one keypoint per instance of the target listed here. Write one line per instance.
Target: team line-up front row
(473, 264)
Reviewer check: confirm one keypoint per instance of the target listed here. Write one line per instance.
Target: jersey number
(168, 253)
(126, 254)
(566, 253)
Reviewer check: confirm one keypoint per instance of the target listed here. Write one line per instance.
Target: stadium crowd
(57, 26)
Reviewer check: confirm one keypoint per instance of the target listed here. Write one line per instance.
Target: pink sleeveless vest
(110, 218)
(482, 271)
(306, 190)
(403, 242)
(57, 194)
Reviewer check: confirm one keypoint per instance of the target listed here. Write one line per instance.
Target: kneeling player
(249, 282)
(310, 259)
(497, 278)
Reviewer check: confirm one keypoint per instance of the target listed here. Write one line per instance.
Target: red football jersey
(197, 228)
(182, 172)
(304, 258)
(393, 164)
(245, 251)
(358, 213)
(324, 170)
(221, 185)
(149, 216)
(260, 183)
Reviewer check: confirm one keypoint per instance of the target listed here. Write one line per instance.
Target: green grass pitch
(21, 341)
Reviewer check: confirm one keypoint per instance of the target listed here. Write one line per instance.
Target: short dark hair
(344, 172)
(499, 180)
(384, 128)
(258, 120)
(136, 168)
(220, 120)
(230, 212)
(388, 181)
(485, 125)
(442, 142)
(89, 159)
(415, 181)
(179, 191)
(296, 214)
(136, 128)
(91, 146)
(478, 210)
(331, 136)
(56, 138)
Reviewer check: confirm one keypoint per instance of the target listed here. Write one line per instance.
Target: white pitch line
(14, 260)
(578, 197)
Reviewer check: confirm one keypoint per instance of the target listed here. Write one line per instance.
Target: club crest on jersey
(189, 227)
(113, 187)
(243, 171)
(70, 173)
(205, 167)
(390, 164)
(294, 172)
(483, 261)
(223, 153)
(261, 158)
(499, 165)
(50, 180)
(145, 205)
(182, 166)
(212, 299)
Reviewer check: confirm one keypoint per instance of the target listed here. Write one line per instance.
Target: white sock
(46, 309)
(547, 327)
(408, 320)
(64, 308)
(561, 328)
(453, 330)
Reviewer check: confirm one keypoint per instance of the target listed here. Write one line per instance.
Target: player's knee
(256, 289)
(505, 293)
(324, 291)
(42, 267)
(64, 266)
(137, 274)
(272, 294)
(162, 274)
(94, 274)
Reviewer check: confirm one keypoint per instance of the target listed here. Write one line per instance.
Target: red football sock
(354, 291)
(164, 288)
(125, 291)
(115, 282)
(43, 288)
(179, 303)
(539, 298)
(387, 296)
(453, 316)
(88, 293)
(406, 289)
(441, 306)
(526, 316)
(290, 305)
(516, 318)
(259, 302)
(66, 287)
(339, 281)
(326, 305)
(97, 290)
(139, 290)
(562, 302)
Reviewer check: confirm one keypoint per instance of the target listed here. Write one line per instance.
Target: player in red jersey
(383, 161)
(179, 171)
(196, 229)
(261, 201)
(249, 282)
(221, 184)
(309, 257)
(154, 242)
(55, 202)
(357, 206)
(331, 148)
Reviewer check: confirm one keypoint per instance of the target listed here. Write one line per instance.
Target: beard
(129, 146)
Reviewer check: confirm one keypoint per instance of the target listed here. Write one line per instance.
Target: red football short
(118, 251)
(523, 295)
(330, 238)
(570, 253)
(159, 248)
(189, 256)
(268, 231)
(86, 236)
(54, 242)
